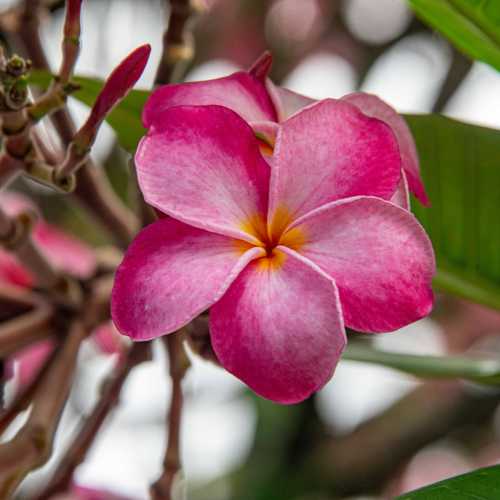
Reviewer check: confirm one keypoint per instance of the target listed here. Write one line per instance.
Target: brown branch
(79, 448)
(178, 364)
(364, 460)
(178, 43)
(15, 235)
(93, 190)
(32, 445)
(24, 399)
(26, 328)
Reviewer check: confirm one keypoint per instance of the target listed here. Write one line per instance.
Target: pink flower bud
(262, 66)
(121, 80)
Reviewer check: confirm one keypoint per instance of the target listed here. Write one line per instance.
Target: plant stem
(79, 448)
(178, 364)
(32, 445)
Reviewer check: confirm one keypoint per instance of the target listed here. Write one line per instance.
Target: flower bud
(116, 87)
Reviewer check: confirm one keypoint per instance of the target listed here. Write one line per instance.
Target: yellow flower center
(271, 235)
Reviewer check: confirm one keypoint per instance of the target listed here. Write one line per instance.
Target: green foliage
(461, 171)
(482, 484)
(472, 25)
(486, 371)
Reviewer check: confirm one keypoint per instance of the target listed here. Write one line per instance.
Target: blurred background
(371, 431)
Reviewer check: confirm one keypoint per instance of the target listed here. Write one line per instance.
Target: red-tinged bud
(116, 87)
(262, 66)
(121, 80)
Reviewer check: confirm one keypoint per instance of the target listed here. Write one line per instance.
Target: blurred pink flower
(66, 253)
(284, 256)
(30, 361)
(63, 251)
(264, 106)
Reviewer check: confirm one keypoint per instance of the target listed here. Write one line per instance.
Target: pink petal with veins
(241, 92)
(330, 151)
(279, 327)
(379, 256)
(372, 105)
(171, 273)
(202, 165)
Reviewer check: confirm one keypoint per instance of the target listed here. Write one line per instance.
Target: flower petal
(371, 105)
(279, 327)
(30, 361)
(243, 93)
(329, 151)
(202, 165)
(379, 256)
(401, 197)
(287, 102)
(63, 251)
(171, 273)
(12, 272)
(108, 340)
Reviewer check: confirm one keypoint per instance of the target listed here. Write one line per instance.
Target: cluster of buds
(14, 82)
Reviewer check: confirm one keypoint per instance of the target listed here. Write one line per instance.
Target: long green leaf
(125, 118)
(472, 25)
(461, 171)
(482, 484)
(485, 371)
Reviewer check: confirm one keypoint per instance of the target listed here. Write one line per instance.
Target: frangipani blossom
(264, 106)
(284, 256)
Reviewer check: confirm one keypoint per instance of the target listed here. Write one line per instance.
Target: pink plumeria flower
(264, 106)
(284, 256)
(29, 361)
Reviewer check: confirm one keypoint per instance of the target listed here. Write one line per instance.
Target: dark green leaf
(486, 371)
(482, 484)
(472, 25)
(461, 171)
(125, 118)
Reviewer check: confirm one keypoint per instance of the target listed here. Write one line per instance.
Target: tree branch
(79, 448)
(178, 364)
(32, 445)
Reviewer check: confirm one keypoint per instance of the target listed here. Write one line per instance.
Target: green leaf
(472, 25)
(125, 118)
(485, 371)
(482, 484)
(461, 171)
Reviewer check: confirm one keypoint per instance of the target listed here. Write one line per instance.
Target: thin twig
(178, 364)
(92, 190)
(26, 328)
(32, 445)
(15, 235)
(79, 448)
(178, 43)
